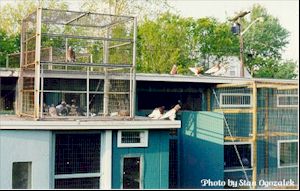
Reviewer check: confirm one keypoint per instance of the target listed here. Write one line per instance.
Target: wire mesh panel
(86, 44)
(77, 153)
(77, 160)
(278, 133)
(265, 116)
(77, 183)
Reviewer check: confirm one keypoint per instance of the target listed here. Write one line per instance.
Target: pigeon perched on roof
(196, 70)
(173, 70)
(71, 55)
(213, 69)
(171, 114)
(157, 113)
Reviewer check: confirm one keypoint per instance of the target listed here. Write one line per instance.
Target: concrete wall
(155, 160)
(25, 146)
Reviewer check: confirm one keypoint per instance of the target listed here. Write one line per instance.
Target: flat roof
(9, 72)
(11, 122)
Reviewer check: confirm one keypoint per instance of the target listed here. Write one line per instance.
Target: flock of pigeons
(64, 109)
(196, 70)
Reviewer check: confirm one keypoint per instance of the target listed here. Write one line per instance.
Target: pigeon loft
(99, 47)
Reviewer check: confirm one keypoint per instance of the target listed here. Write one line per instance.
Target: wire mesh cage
(261, 125)
(98, 47)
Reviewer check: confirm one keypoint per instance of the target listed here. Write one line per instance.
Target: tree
(263, 45)
(162, 43)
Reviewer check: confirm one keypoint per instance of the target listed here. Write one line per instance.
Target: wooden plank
(254, 137)
(232, 85)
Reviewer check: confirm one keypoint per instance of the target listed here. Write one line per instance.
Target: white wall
(24, 146)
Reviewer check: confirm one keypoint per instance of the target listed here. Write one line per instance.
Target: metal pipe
(87, 37)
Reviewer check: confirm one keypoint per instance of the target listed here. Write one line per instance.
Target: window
(133, 138)
(77, 161)
(132, 173)
(287, 100)
(287, 153)
(235, 100)
(231, 160)
(21, 175)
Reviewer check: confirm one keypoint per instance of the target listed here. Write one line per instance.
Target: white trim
(143, 138)
(278, 152)
(285, 95)
(106, 160)
(82, 124)
(234, 169)
(78, 175)
(235, 105)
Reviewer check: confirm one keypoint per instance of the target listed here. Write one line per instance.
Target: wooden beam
(254, 137)
(232, 85)
(238, 139)
(37, 63)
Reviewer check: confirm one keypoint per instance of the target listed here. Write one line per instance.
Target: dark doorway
(131, 173)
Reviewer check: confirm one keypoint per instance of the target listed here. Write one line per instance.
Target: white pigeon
(157, 113)
(52, 111)
(213, 69)
(171, 114)
(173, 70)
(196, 70)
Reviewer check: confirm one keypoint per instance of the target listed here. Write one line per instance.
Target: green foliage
(263, 46)
(276, 69)
(8, 44)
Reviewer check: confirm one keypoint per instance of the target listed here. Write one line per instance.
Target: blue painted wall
(201, 148)
(26, 146)
(155, 160)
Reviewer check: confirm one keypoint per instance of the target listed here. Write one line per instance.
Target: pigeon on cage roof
(71, 55)
(171, 114)
(173, 70)
(157, 112)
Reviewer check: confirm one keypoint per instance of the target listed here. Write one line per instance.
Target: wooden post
(106, 80)
(254, 138)
(133, 79)
(19, 99)
(37, 63)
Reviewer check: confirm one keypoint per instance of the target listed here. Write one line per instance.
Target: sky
(287, 11)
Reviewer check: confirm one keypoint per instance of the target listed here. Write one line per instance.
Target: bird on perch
(157, 112)
(71, 55)
(196, 70)
(171, 114)
(173, 70)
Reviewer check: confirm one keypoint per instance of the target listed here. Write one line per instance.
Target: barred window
(133, 138)
(287, 100)
(235, 100)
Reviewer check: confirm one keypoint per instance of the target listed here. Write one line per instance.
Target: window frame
(144, 139)
(285, 95)
(278, 153)
(235, 105)
(234, 169)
